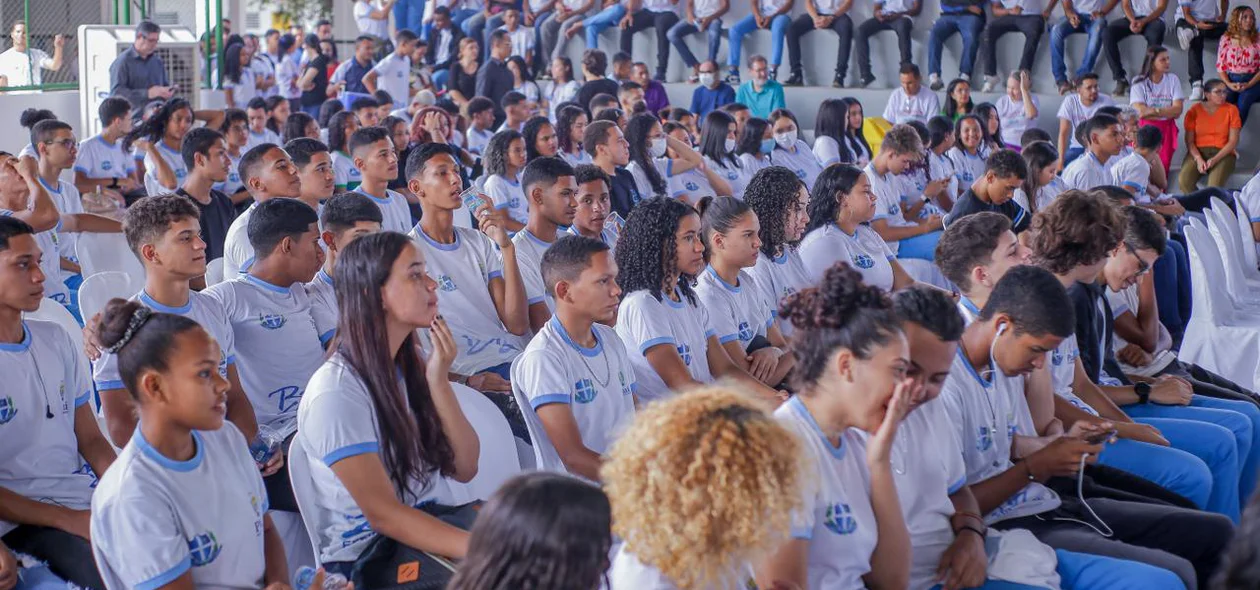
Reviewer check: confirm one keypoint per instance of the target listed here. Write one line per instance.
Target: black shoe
(1122, 88)
(838, 81)
(797, 79)
(774, 73)
(867, 80)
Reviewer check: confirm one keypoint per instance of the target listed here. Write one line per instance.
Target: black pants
(1184, 541)
(1196, 46)
(901, 26)
(843, 27)
(279, 488)
(69, 556)
(644, 19)
(1031, 25)
(1210, 384)
(1118, 30)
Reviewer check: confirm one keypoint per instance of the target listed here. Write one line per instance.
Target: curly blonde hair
(1235, 29)
(702, 484)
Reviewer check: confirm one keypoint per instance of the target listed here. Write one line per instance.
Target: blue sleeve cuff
(802, 533)
(654, 343)
(498, 274)
(167, 576)
(549, 398)
(1132, 185)
(709, 334)
(1119, 310)
(82, 399)
(80, 169)
(954, 487)
(108, 385)
(231, 360)
(351, 451)
(326, 337)
(728, 338)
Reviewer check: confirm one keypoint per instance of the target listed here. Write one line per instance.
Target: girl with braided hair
(659, 255)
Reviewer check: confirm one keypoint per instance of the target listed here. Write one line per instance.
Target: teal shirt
(761, 103)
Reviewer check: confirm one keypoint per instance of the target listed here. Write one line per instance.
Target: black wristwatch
(1143, 391)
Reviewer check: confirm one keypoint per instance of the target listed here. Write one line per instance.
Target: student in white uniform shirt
(50, 435)
(738, 309)
(504, 159)
(58, 150)
(1019, 107)
(649, 145)
(235, 131)
(23, 197)
(344, 218)
(103, 163)
(967, 156)
(377, 161)
(1043, 180)
(1076, 108)
(571, 123)
(161, 136)
(381, 427)
(576, 375)
(185, 505)
(479, 281)
(591, 219)
(1027, 315)
(911, 101)
(756, 141)
(256, 113)
(745, 518)
(698, 182)
(340, 128)
(840, 209)
(852, 393)
(268, 173)
(779, 199)
(717, 145)
(1090, 170)
(906, 238)
(393, 73)
(273, 323)
(790, 151)
(314, 169)
(672, 342)
(480, 121)
(240, 83)
(551, 188)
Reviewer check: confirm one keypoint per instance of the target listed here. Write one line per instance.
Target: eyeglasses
(1143, 266)
(65, 143)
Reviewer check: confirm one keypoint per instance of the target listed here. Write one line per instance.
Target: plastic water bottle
(306, 577)
(265, 444)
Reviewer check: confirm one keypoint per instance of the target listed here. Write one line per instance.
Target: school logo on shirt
(271, 321)
(514, 203)
(625, 387)
(107, 165)
(800, 173)
(1056, 357)
(86, 469)
(731, 175)
(692, 186)
(684, 351)
(445, 283)
(584, 391)
(355, 172)
(287, 397)
(204, 549)
(985, 441)
(7, 410)
(180, 175)
(893, 209)
(863, 261)
(745, 331)
(360, 530)
(839, 519)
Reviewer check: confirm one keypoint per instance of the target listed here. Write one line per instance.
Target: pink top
(1233, 59)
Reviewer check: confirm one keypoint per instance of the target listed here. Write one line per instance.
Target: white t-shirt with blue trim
(155, 519)
(507, 194)
(1086, 173)
(1063, 373)
(864, 250)
(596, 383)
(739, 312)
(395, 214)
(836, 515)
(69, 202)
(800, 160)
(324, 310)
(463, 271)
(887, 191)
(337, 420)
(735, 174)
(967, 166)
(529, 255)
(256, 139)
(100, 159)
(233, 184)
(1133, 172)
(174, 159)
(779, 277)
(644, 322)
(238, 253)
(43, 373)
(608, 235)
(278, 345)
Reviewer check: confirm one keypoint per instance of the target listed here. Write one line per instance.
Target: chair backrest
(107, 252)
(303, 490)
(214, 272)
(99, 288)
(546, 458)
(51, 311)
(1247, 235)
(1208, 304)
(1235, 281)
(1229, 222)
(498, 460)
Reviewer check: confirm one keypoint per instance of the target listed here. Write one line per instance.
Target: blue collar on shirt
(323, 276)
(436, 244)
(802, 411)
(158, 307)
(535, 239)
(594, 351)
(972, 370)
(22, 346)
(674, 304)
(253, 280)
(729, 287)
(163, 460)
(969, 305)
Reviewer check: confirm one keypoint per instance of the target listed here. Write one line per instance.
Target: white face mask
(657, 147)
(786, 139)
(707, 78)
(730, 144)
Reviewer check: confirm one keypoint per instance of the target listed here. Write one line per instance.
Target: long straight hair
(637, 131)
(855, 134)
(833, 121)
(717, 125)
(413, 443)
(1148, 63)
(1039, 155)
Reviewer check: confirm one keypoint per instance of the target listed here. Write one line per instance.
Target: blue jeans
(1173, 290)
(921, 246)
(1058, 38)
(604, 19)
(969, 26)
(539, 58)
(1173, 469)
(677, 33)
(459, 15)
(1243, 100)
(440, 77)
(1083, 571)
(748, 24)
(409, 14)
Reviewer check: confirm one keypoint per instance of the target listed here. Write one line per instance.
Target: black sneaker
(732, 77)
(866, 80)
(797, 79)
(838, 81)
(1122, 88)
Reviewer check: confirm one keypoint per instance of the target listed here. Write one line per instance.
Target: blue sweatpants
(922, 246)
(1082, 571)
(1175, 470)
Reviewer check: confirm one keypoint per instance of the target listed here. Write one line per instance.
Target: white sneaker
(934, 82)
(1196, 91)
(965, 78)
(1185, 35)
(990, 84)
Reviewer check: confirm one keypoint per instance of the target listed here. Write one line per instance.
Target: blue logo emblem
(1056, 357)
(745, 331)
(271, 321)
(731, 176)
(893, 210)
(204, 549)
(692, 186)
(800, 173)
(7, 410)
(107, 165)
(180, 174)
(355, 172)
(360, 530)
(986, 439)
(86, 469)
(684, 351)
(863, 261)
(445, 283)
(289, 396)
(625, 387)
(514, 203)
(839, 519)
(584, 391)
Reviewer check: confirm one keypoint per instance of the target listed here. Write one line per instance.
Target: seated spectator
(516, 109)
(341, 128)
(1198, 21)
(591, 219)
(821, 15)
(958, 99)
(103, 166)
(1141, 17)
(268, 173)
(965, 17)
(1102, 134)
(911, 102)
(344, 218)
(831, 124)
(461, 75)
(990, 127)
(889, 15)
(700, 17)
(258, 116)
(1017, 109)
(1238, 59)
(1074, 110)
(781, 202)
(717, 145)
(649, 146)
(1043, 182)
(23, 197)
(1157, 97)
(896, 218)
(205, 154)
(377, 160)
(1027, 17)
(504, 160)
(755, 143)
(761, 94)
(523, 81)
(563, 88)
(712, 93)
(1081, 16)
(790, 151)
(659, 14)
(1135, 173)
(653, 91)
(610, 151)
(765, 14)
(1004, 172)
(160, 138)
(1212, 132)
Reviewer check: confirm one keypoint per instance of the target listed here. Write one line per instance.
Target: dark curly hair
(1075, 229)
(154, 129)
(637, 131)
(496, 152)
(824, 201)
(772, 195)
(841, 312)
(646, 251)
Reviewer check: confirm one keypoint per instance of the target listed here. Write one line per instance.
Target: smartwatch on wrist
(1143, 391)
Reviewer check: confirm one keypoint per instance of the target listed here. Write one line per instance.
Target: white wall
(13, 137)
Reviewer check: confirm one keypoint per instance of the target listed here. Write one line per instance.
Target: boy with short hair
(343, 218)
(594, 206)
(576, 374)
(205, 153)
(610, 152)
(522, 37)
(393, 73)
(365, 109)
(1004, 172)
(550, 187)
(480, 121)
(315, 170)
(516, 111)
(257, 114)
(235, 130)
(1075, 110)
(102, 163)
(374, 156)
(268, 173)
(911, 101)
(1102, 133)
(23, 197)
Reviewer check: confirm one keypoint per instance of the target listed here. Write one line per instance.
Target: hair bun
(115, 320)
(835, 301)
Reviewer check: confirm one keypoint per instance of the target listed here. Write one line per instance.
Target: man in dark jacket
(494, 79)
(443, 49)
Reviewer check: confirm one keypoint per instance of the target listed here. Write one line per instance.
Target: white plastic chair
(99, 288)
(1248, 236)
(51, 311)
(546, 458)
(498, 460)
(107, 252)
(1217, 337)
(1244, 293)
(214, 272)
(1229, 223)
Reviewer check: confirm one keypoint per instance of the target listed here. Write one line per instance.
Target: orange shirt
(1211, 130)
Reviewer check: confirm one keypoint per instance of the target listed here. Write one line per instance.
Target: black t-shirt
(216, 218)
(969, 203)
(624, 193)
(1094, 329)
(462, 81)
(593, 88)
(318, 94)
